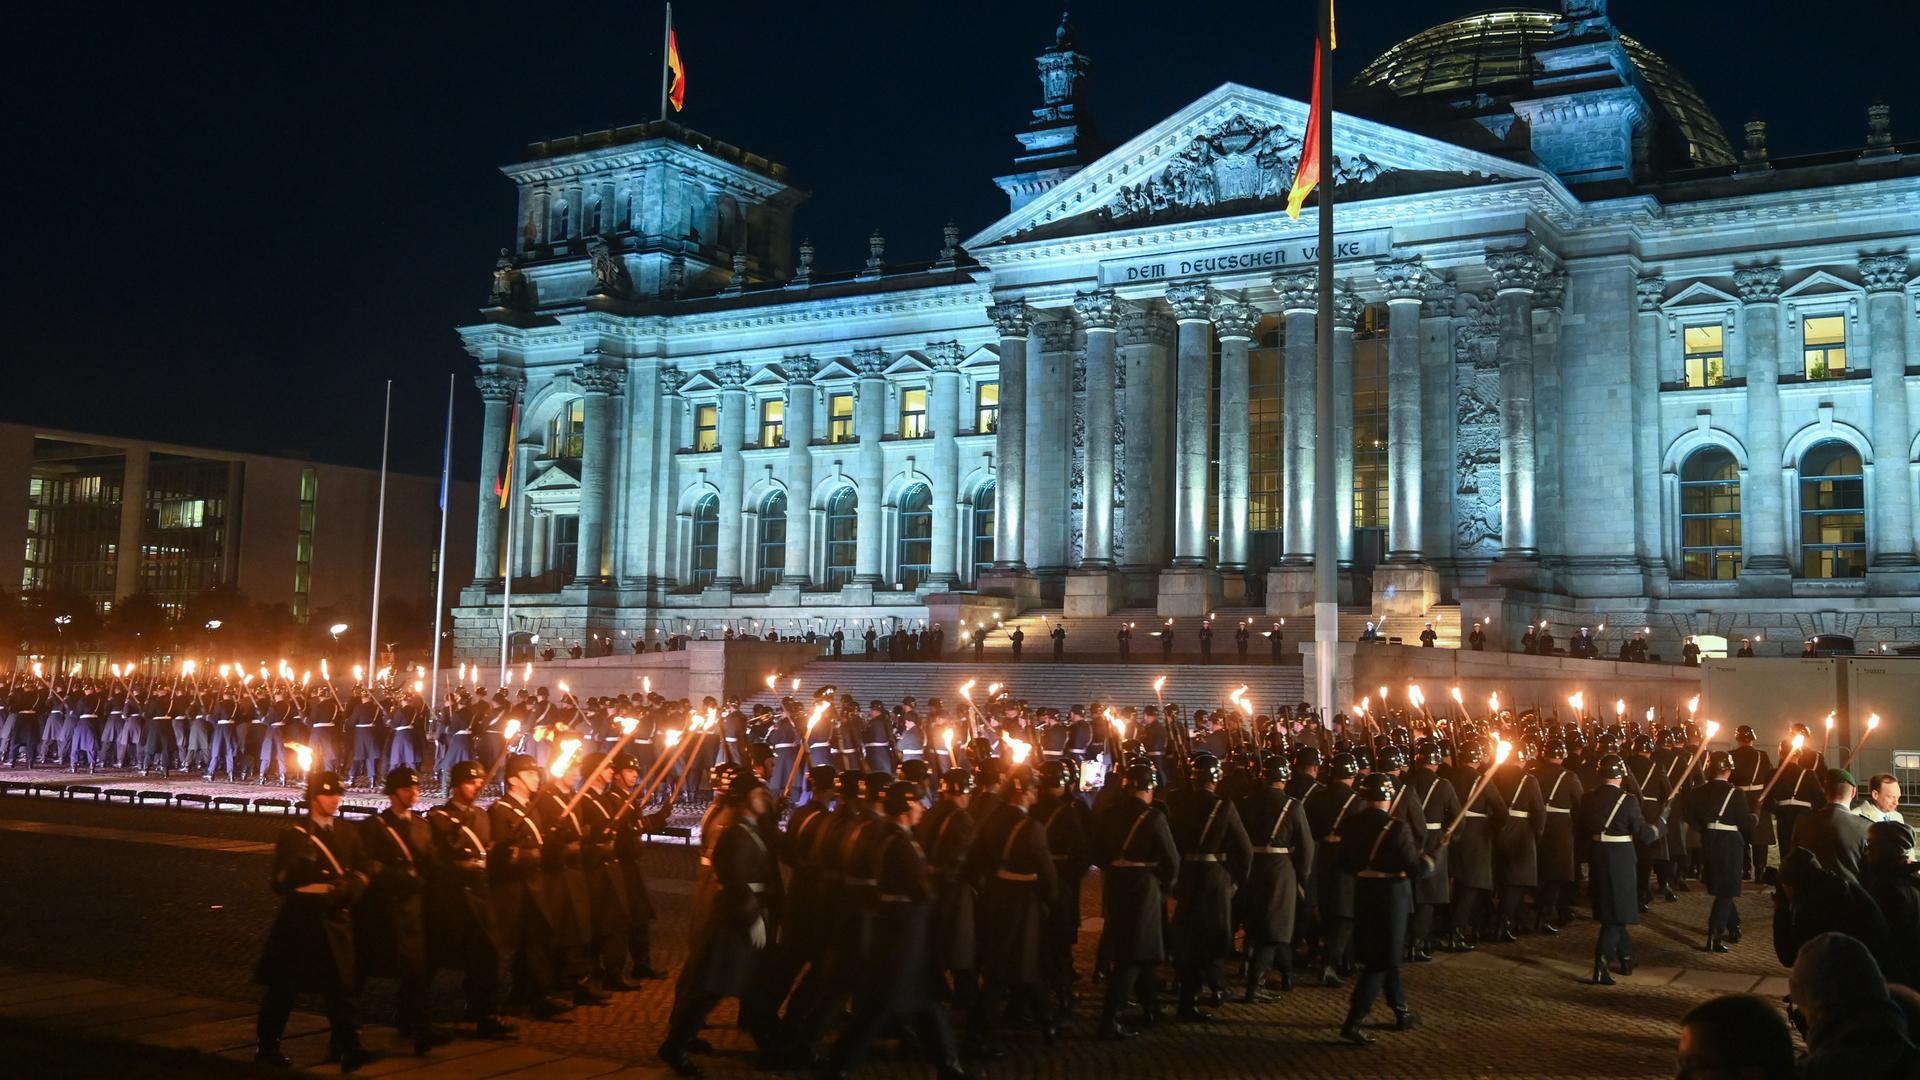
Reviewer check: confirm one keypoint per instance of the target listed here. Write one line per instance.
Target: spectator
(1841, 1006)
(1813, 900)
(1894, 883)
(1883, 799)
(1736, 1036)
(1835, 834)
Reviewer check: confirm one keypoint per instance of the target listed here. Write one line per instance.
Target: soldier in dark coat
(521, 907)
(607, 900)
(946, 835)
(1561, 793)
(731, 927)
(1751, 771)
(1327, 810)
(1647, 779)
(1069, 827)
(1215, 855)
(319, 873)
(1472, 845)
(1384, 856)
(1611, 815)
(1012, 868)
(1283, 849)
(390, 919)
(897, 981)
(1794, 794)
(461, 931)
(1517, 844)
(1724, 819)
(1440, 804)
(630, 828)
(569, 899)
(1139, 864)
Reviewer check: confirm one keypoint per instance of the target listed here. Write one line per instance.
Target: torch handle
(1473, 796)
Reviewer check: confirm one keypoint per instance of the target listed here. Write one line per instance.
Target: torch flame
(1693, 705)
(564, 688)
(302, 754)
(1578, 699)
(1457, 698)
(1160, 683)
(463, 673)
(820, 710)
(992, 689)
(793, 686)
(1018, 750)
(1619, 707)
(1238, 694)
(1712, 729)
(627, 724)
(945, 737)
(513, 729)
(39, 670)
(359, 672)
(1246, 706)
(1501, 751)
(226, 671)
(1873, 721)
(526, 673)
(1493, 701)
(1798, 742)
(326, 673)
(773, 681)
(188, 667)
(1829, 721)
(673, 737)
(115, 668)
(306, 677)
(1119, 725)
(646, 684)
(1383, 695)
(966, 689)
(562, 757)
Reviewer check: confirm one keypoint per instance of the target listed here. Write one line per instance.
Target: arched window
(982, 532)
(843, 537)
(566, 434)
(706, 540)
(915, 550)
(1710, 515)
(1833, 512)
(773, 540)
(591, 220)
(561, 221)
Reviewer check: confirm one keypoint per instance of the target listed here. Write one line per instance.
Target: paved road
(129, 904)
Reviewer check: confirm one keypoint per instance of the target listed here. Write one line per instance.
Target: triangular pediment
(559, 476)
(1699, 294)
(770, 375)
(834, 370)
(1234, 152)
(983, 357)
(911, 362)
(1820, 283)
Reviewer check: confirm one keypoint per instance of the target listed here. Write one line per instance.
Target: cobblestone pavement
(147, 921)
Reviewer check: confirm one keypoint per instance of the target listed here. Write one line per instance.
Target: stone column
(1763, 568)
(602, 386)
(1405, 583)
(1440, 414)
(1649, 291)
(1013, 319)
(1347, 310)
(870, 426)
(1093, 589)
(1050, 361)
(1893, 563)
(943, 413)
(1298, 304)
(1143, 340)
(732, 432)
(800, 397)
(643, 445)
(1191, 303)
(133, 522)
(498, 390)
(1515, 273)
(1234, 321)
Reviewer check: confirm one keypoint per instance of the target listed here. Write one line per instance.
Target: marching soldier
(946, 835)
(607, 899)
(1796, 792)
(1384, 856)
(1562, 795)
(1138, 867)
(1724, 819)
(1012, 868)
(318, 872)
(391, 919)
(569, 900)
(1439, 804)
(1612, 816)
(1283, 850)
(1517, 842)
(1068, 824)
(1327, 810)
(522, 908)
(1751, 771)
(1472, 846)
(462, 933)
(631, 826)
(1214, 856)
(1645, 778)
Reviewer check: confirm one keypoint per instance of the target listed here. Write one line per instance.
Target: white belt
(1795, 802)
(366, 725)
(1129, 864)
(869, 746)
(756, 887)
(1471, 813)
(1204, 857)
(1433, 825)
(1753, 787)
(1558, 810)
(1052, 753)
(223, 723)
(1272, 851)
(1009, 875)
(1517, 813)
(1611, 838)
(324, 723)
(784, 745)
(1722, 826)
(89, 716)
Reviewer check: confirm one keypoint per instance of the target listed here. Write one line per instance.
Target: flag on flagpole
(677, 91)
(1308, 174)
(503, 476)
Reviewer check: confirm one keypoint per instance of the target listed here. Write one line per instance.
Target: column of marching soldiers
(865, 873)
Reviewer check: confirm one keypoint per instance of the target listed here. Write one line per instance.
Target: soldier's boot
(269, 1054)
(1601, 975)
(1351, 1032)
(1405, 1019)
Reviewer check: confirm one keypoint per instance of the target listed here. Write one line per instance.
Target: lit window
(773, 541)
(915, 550)
(986, 407)
(1833, 513)
(913, 414)
(773, 422)
(843, 537)
(706, 540)
(983, 530)
(1710, 516)
(566, 435)
(840, 418)
(1705, 355)
(706, 427)
(1824, 342)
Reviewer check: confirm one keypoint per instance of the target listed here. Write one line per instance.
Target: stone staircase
(1095, 638)
(1044, 683)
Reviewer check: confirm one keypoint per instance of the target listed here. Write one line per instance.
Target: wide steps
(1045, 684)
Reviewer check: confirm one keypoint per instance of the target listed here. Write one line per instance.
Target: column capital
(1190, 301)
(945, 355)
(799, 368)
(1098, 309)
(1443, 293)
(1012, 318)
(1886, 272)
(1649, 290)
(1233, 317)
(1056, 335)
(870, 362)
(730, 374)
(1404, 279)
(1515, 269)
(1550, 293)
(1347, 307)
(1299, 290)
(1139, 325)
(499, 385)
(597, 381)
(1757, 284)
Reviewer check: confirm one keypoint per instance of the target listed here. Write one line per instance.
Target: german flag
(1308, 174)
(503, 475)
(677, 90)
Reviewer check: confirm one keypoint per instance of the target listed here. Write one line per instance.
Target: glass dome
(1494, 52)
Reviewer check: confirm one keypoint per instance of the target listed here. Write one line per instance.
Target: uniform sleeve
(1035, 841)
(1303, 843)
(1637, 825)
(1166, 853)
(1239, 847)
(1536, 805)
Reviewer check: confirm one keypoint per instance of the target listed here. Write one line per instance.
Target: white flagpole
(506, 592)
(379, 539)
(440, 564)
(666, 42)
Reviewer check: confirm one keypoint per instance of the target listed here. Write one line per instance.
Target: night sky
(232, 222)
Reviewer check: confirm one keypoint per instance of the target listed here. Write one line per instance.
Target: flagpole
(379, 538)
(666, 41)
(1326, 583)
(506, 577)
(440, 564)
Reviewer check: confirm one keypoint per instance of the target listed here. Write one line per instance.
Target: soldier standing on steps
(1059, 636)
(1017, 637)
(1206, 642)
(1125, 637)
(1241, 639)
(1276, 641)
